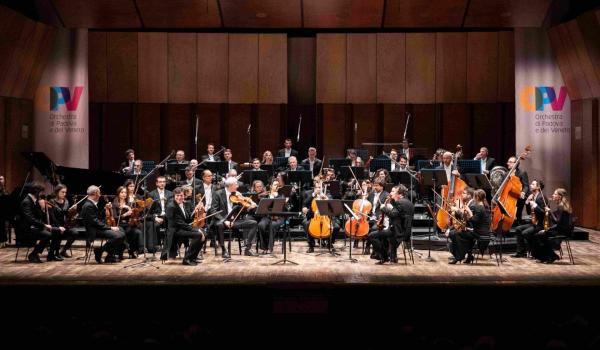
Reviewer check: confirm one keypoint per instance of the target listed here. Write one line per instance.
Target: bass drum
(497, 175)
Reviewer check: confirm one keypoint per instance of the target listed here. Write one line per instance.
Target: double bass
(450, 193)
(504, 201)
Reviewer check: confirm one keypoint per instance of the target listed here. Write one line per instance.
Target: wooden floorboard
(311, 270)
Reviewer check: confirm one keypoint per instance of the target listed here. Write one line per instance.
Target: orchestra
(160, 220)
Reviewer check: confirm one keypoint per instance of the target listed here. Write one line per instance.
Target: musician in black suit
(127, 165)
(180, 215)
(525, 232)
(226, 213)
(487, 163)
(190, 179)
(156, 218)
(231, 165)
(476, 215)
(312, 163)
(115, 236)
(377, 199)
(210, 156)
(293, 164)
(287, 150)
(207, 191)
(399, 211)
(448, 166)
(34, 227)
(522, 175)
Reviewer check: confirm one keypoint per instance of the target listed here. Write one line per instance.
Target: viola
(109, 218)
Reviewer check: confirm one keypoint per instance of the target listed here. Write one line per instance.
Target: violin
(245, 202)
(109, 219)
(381, 221)
(200, 215)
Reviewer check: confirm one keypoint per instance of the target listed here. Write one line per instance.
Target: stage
(312, 269)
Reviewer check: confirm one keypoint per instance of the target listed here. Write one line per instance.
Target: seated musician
(398, 211)
(267, 158)
(308, 197)
(157, 214)
(180, 157)
(122, 211)
(96, 227)
(206, 191)
(477, 216)
(227, 217)
(180, 215)
(394, 158)
(383, 175)
(406, 150)
(255, 165)
(487, 163)
(377, 198)
(58, 218)
(137, 170)
(460, 209)
(210, 154)
(525, 232)
(355, 160)
(403, 166)
(293, 164)
(190, 179)
(35, 228)
(3, 212)
(542, 249)
(312, 163)
(259, 192)
(127, 165)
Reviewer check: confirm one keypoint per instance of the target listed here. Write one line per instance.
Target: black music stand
(269, 168)
(301, 178)
(248, 177)
(351, 235)
(359, 172)
(478, 181)
(469, 166)
(330, 208)
(337, 163)
(427, 164)
(400, 177)
(433, 177)
(219, 168)
(280, 163)
(285, 190)
(380, 163)
(273, 207)
(334, 188)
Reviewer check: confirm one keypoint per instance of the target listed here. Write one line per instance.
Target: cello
(319, 226)
(359, 228)
(504, 201)
(450, 193)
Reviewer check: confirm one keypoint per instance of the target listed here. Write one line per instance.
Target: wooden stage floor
(311, 270)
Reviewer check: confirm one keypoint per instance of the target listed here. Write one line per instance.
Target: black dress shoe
(132, 255)
(469, 259)
(453, 261)
(189, 262)
(111, 260)
(310, 250)
(200, 256)
(34, 258)
(98, 255)
(367, 251)
(518, 255)
(250, 253)
(226, 255)
(54, 257)
(65, 254)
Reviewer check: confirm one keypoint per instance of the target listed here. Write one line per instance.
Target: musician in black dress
(180, 215)
(227, 217)
(525, 232)
(123, 212)
(96, 227)
(267, 226)
(542, 249)
(478, 220)
(35, 227)
(59, 215)
(460, 210)
(399, 210)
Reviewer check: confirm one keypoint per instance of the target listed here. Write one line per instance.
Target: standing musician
(127, 165)
(267, 158)
(307, 199)
(462, 211)
(287, 150)
(487, 163)
(228, 211)
(180, 215)
(399, 210)
(524, 178)
(477, 215)
(448, 166)
(231, 165)
(96, 227)
(210, 154)
(58, 218)
(560, 219)
(312, 163)
(157, 214)
(35, 227)
(526, 232)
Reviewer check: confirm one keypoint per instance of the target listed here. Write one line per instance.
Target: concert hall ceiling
(295, 14)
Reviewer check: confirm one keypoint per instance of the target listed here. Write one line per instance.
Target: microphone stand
(249, 144)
